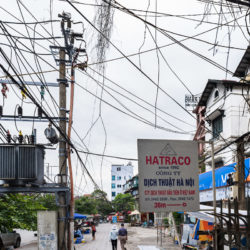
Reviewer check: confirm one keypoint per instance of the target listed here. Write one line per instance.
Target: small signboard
(168, 176)
(191, 101)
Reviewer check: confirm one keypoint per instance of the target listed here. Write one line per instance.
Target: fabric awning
(79, 216)
(135, 212)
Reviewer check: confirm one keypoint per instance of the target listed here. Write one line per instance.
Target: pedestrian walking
(93, 229)
(123, 236)
(113, 237)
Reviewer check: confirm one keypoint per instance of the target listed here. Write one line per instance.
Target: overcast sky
(114, 132)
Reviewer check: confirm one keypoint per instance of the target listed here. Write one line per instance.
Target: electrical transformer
(21, 164)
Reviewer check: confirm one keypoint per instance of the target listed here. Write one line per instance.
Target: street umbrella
(135, 212)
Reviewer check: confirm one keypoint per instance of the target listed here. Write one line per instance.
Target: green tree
(99, 194)
(103, 205)
(48, 201)
(85, 205)
(104, 208)
(19, 211)
(123, 202)
(96, 203)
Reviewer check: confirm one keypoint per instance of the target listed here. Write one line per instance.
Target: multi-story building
(131, 187)
(119, 175)
(223, 115)
(223, 110)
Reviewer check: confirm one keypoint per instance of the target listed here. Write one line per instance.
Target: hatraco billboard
(168, 175)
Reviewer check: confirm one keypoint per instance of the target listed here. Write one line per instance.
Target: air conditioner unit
(21, 164)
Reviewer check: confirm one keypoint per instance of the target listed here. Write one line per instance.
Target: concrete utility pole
(63, 223)
(240, 173)
(65, 231)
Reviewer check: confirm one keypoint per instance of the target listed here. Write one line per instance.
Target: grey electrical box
(21, 164)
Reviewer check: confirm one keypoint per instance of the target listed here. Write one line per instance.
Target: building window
(217, 126)
(113, 194)
(219, 164)
(113, 185)
(119, 186)
(124, 177)
(216, 94)
(113, 177)
(118, 169)
(119, 178)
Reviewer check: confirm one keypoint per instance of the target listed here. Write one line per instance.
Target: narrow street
(138, 239)
(124, 110)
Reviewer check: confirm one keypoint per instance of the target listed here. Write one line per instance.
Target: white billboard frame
(168, 175)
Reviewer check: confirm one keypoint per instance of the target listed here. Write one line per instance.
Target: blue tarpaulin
(221, 176)
(79, 216)
(114, 219)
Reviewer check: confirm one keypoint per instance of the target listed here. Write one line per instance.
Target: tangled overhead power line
(22, 87)
(104, 60)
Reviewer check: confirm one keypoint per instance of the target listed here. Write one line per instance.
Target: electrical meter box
(21, 164)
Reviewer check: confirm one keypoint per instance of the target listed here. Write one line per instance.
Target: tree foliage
(103, 205)
(85, 205)
(123, 202)
(96, 203)
(20, 211)
(48, 201)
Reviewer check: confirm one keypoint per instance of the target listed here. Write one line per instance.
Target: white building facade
(119, 175)
(226, 117)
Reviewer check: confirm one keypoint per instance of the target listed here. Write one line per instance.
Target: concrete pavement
(138, 239)
(148, 248)
(146, 239)
(101, 242)
(31, 246)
